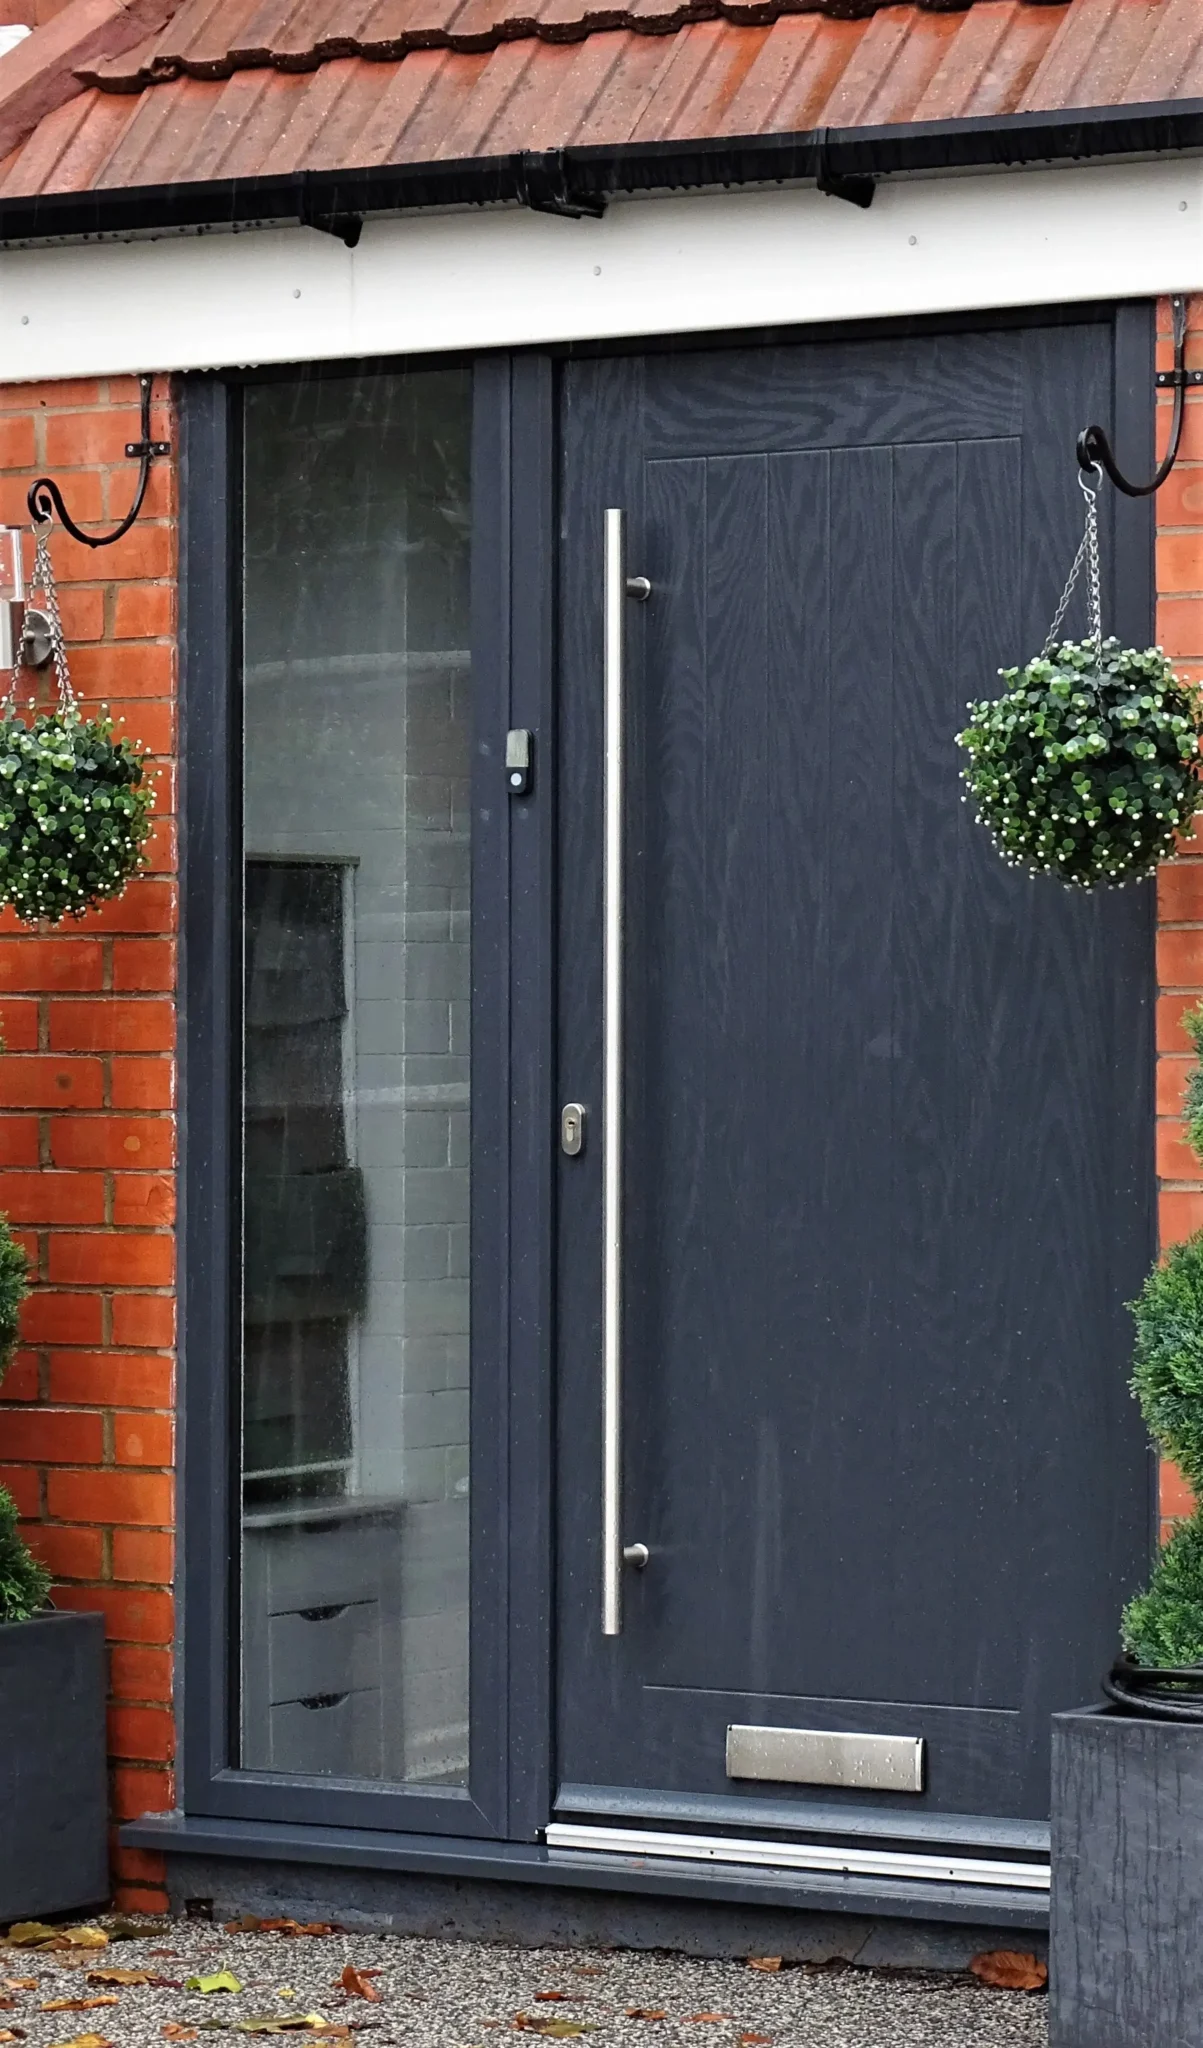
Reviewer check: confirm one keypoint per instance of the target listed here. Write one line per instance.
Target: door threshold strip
(818, 1856)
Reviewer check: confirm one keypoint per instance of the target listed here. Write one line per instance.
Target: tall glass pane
(355, 1078)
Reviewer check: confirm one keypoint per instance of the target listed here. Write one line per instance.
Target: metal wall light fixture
(1094, 449)
(45, 500)
(25, 633)
(12, 597)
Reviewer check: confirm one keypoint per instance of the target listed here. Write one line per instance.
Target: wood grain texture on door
(888, 1145)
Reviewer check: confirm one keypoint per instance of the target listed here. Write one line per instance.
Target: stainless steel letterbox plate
(820, 1756)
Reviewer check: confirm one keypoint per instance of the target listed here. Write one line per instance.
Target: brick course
(87, 1129)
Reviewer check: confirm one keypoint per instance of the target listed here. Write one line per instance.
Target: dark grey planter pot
(1125, 1957)
(53, 1789)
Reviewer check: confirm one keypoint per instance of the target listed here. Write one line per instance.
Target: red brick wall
(87, 1127)
(1180, 883)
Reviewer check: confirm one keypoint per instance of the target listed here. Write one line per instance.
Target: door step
(814, 1856)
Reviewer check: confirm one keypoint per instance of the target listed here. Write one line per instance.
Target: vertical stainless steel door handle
(613, 778)
(613, 932)
(617, 586)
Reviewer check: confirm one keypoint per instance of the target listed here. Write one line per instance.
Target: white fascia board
(506, 278)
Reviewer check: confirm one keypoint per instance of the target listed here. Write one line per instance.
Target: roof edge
(39, 75)
(844, 162)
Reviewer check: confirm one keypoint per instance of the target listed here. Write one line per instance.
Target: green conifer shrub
(1192, 1024)
(23, 1582)
(1165, 1624)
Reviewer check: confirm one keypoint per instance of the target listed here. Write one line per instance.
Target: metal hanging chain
(43, 580)
(1088, 553)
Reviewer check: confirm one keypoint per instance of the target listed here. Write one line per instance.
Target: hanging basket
(1087, 767)
(75, 799)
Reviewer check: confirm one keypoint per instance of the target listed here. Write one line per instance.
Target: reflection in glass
(355, 1078)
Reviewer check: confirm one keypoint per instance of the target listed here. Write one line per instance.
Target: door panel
(888, 1131)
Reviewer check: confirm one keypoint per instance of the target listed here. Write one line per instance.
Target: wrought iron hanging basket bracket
(45, 500)
(1094, 448)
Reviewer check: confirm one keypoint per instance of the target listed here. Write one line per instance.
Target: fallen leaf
(754, 2040)
(250, 1923)
(31, 1934)
(12, 2034)
(119, 1927)
(86, 1937)
(293, 2023)
(217, 1980)
(173, 2031)
(285, 1991)
(764, 1962)
(645, 2012)
(1008, 1969)
(19, 1983)
(357, 1985)
(123, 1977)
(707, 2016)
(84, 2041)
(548, 1997)
(534, 2023)
(79, 2004)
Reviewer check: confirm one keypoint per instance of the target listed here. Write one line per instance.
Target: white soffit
(508, 277)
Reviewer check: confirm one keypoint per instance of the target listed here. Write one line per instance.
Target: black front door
(887, 1129)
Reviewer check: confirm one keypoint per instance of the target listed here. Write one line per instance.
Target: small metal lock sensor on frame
(519, 761)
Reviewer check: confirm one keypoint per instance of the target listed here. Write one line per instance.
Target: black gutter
(846, 162)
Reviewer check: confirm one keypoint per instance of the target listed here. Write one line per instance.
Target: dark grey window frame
(510, 1661)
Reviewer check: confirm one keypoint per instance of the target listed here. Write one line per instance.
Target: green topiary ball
(75, 809)
(1168, 1375)
(14, 1274)
(1085, 769)
(1192, 1104)
(1165, 1625)
(24, 1583)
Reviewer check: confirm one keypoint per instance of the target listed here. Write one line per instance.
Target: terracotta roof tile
(891, 68)
(1171, 64)
(240, 88)
(325, 116)
(630, 68)
(406, 87)
(34, 168)
(42, 72)
(213, 38)
(988, 64)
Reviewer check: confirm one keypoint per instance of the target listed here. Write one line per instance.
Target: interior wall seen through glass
(356, 1077)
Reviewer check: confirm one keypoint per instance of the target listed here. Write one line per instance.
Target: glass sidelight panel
(354, 1197)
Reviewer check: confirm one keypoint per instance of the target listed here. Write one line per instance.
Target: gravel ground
(438, 1994)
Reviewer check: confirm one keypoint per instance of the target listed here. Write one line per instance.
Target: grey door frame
(514, 601)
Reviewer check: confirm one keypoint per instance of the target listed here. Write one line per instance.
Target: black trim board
(582, 180)
(529, 1863)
